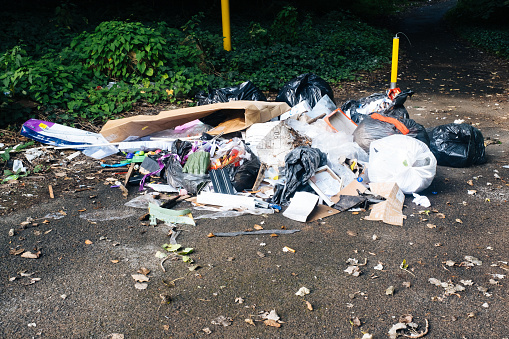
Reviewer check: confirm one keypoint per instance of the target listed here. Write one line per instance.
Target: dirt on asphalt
(81, 285)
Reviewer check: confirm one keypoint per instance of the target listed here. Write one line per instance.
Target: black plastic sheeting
(457, 145)
(300, 165)
(370, 129)
(245, 91)
(308, 87)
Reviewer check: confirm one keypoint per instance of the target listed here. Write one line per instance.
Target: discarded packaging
(404, 160)
(301, 205)
(241, 114)
(389, 211)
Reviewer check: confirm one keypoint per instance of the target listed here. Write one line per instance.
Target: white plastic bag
(404, 160)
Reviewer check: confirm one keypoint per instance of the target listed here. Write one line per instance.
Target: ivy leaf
(150, 72)
(172, 248)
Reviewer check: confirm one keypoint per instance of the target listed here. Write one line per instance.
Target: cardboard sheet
(389, 211)
(243, 114)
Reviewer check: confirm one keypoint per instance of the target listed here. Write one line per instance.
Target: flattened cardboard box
(390, 210)
(243, 113)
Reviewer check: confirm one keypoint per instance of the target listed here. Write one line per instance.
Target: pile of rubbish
(238, 153)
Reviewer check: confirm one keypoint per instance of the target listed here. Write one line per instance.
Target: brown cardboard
(351, 189)
(321, 211)
(390, 210)
(141, 125)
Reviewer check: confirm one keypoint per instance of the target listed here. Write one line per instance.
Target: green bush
(97, 75)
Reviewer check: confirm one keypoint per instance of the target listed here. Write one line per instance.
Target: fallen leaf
(31, 255)
(441, 215)
(470, 182)
(473, 260)
(272, 315)
(140, 277)
(143, 270)
(379, 267)
(250, 321)
(207, 330)
(450, 263)
(470, 314)
(467, 282)
(210, 235)
(141, 286)
(353, 270)
(16, 252)
(308, 304)
(390, 290)
(459, 221)
(115, 261)
(88, 242)
(257, 227)
(406, 318)
(239, 300)
(166, 327)
(193, 267)
(274, 235)
(431, 226)
(221, 320)
(302, 291)
(260, 254)
(273, 323)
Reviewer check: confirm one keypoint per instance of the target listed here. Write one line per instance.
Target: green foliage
(284, 28)
(97, 75)
(494, 40)
(122, 50)
(493, 12)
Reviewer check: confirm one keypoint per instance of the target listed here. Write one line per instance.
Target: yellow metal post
(394, 70)
(225, 11)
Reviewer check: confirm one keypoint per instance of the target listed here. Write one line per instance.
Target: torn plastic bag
(245, 91)
(300, 165)
(177, 178)
(377, 126)
(308, 87)
(181, 148)
(403, 160)
(457, 145)
(377, 103)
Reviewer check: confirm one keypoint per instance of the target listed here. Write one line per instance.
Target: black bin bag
(308, 87)
(300, 165)
(245, 91)
(457, 145)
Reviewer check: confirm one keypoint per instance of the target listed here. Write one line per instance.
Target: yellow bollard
(394, 70)
(225, 11)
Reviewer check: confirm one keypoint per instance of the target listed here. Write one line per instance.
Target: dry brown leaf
(406, 318)
(88, 242)
(16, 252)
(210, 235)
(250, 321)
(82, 210)
(31, 255)
(470, 182)
(115, 261)
(257, 227)
(351, 233)
(274, 235)
(270, 322)
(308, 304)
(144, 271)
